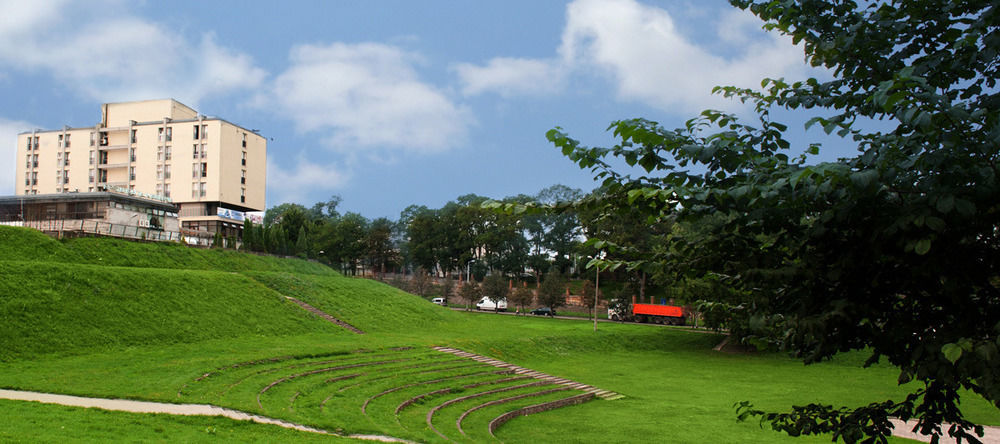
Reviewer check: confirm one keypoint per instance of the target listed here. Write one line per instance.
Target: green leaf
(951, 352)
(922, 247)
(946, 203)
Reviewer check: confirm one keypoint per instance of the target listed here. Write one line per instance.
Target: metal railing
(72, 227)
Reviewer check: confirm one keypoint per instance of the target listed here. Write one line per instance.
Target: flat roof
(86, 197)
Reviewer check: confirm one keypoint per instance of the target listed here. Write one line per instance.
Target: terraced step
(413, 393)
(325, 315)
(603, 394)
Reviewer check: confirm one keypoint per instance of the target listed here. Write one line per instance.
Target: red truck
(654, 313)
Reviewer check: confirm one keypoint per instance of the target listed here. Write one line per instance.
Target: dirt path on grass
(125, 405)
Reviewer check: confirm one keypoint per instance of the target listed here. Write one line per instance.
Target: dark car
(543, 311)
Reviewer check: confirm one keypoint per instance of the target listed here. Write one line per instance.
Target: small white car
(486, 304)
(438, 301)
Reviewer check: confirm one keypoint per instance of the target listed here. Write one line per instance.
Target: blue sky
(389, 103)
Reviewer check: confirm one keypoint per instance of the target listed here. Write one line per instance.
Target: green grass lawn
(34, 422)
(154, 333)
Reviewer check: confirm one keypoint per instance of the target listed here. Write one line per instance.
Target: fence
(75, 227)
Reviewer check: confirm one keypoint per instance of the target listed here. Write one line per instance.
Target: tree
(470, 293)
(587, 297)
(378, 245)
(495, 287)
(421, 283)
(522, 297)
(552, 292)
(885, 251)
(447, 288)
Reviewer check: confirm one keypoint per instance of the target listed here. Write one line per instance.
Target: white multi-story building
(213, 170)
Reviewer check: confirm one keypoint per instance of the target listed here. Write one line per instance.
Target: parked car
(543, 311)
(439, 301)
(486, 304)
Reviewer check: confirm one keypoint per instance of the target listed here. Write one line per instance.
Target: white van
(438, 301)
(486, 304)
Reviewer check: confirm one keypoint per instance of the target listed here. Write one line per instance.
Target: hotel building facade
(211, 169)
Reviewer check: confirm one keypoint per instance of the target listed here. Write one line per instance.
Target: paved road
(575, 318)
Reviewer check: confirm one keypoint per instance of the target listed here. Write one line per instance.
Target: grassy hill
(88, 294)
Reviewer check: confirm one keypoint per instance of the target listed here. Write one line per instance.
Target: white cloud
(367, 95)
(652, 62)
(302, 180)
(8, 152)
(647, 57)
(115, 56)
(511, 76)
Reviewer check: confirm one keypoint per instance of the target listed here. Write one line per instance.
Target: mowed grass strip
(476, 424)
(73, 308)
(442, 414)
(35, 422)
(19, 244)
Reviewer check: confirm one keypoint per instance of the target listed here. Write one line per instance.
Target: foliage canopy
(894, 250)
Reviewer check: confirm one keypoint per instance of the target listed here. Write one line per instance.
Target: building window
(67, 141)
(93, 138)
(243, 195)
(90, 189)
(244, 158)
(159, 172)
(243, 177)
(194, 149)
(196, 132)
(92, 157)
(204, 151)
(204, 132)
(131, 173)
(166, 171)
(166, 190)
(195, 172)
(201, 189)
(34, 161)
(131, 155)
(133, 138)
(166, 155)
(159, 189)
(65, 177)
(60, 140)
(159, 154)
(244, 140)
(59, 161)
(66, 159)
(29, 143)
(204, 169)
(90, 178)
(27, 179)
(34, 178)
(36, 142)
(27, 161)
(169, 134)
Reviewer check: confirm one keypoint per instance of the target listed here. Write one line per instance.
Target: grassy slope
(677, 387)
(368, 305)
(71, 308)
